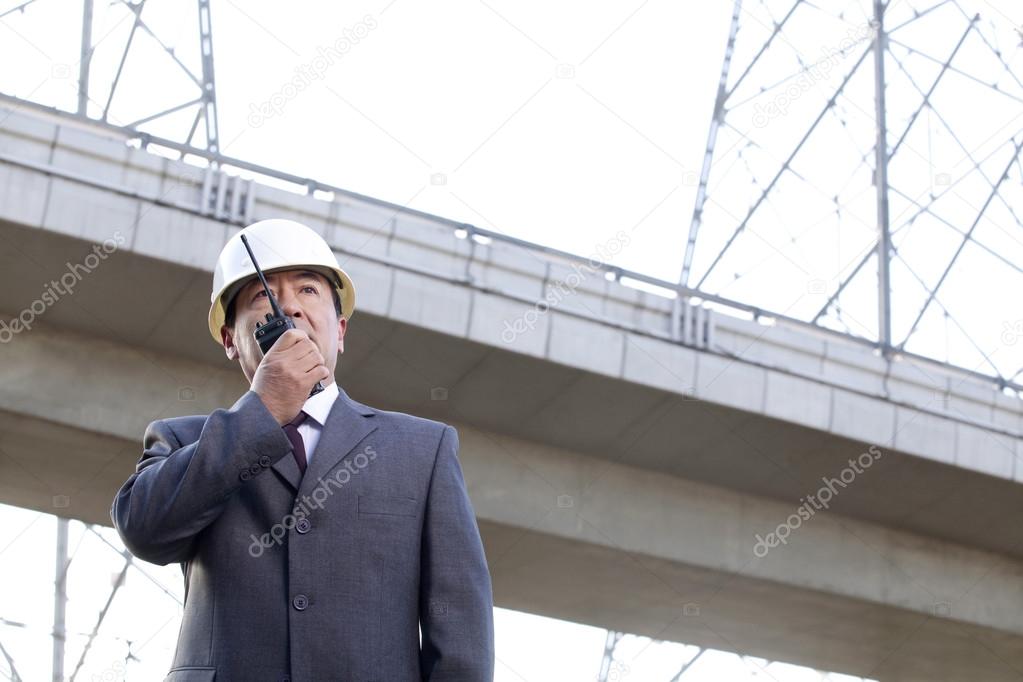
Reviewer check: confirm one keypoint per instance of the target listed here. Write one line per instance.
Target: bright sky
(562, 123)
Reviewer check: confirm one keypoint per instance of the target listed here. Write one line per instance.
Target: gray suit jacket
(323, 577)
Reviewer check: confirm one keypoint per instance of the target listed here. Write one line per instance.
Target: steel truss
(894, 52)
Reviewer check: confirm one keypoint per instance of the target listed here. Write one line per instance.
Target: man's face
(303, 295)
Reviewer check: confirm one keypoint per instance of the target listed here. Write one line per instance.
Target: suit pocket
(191, 674)
(378, 505)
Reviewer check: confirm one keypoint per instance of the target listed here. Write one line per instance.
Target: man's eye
(262, 292)
(310, 288)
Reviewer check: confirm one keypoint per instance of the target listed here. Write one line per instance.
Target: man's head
(303, 275)
(305, 296)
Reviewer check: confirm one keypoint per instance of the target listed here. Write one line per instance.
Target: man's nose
(289, 303)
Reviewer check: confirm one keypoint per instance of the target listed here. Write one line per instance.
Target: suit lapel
(348, 423)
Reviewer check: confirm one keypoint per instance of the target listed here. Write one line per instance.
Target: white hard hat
(277, 245)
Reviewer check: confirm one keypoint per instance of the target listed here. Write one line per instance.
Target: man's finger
(309, 362)
(289, 339)
(322, 372)
(303, 352)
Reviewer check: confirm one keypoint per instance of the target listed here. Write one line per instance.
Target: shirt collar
(318, 406)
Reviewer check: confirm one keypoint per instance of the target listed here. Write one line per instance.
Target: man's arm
(456, 608)
(178, 490)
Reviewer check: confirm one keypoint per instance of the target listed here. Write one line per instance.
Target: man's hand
(287, 373)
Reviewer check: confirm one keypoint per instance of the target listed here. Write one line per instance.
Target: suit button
(255, 469)
(245, 475)
(303, 525)
(300, 602)
(265, 461)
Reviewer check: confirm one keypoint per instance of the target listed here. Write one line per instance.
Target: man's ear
(342, 325)
(227, 338)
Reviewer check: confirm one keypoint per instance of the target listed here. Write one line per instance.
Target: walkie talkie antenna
(273, 301)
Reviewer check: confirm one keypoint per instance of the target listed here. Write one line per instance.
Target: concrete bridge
(636, 462)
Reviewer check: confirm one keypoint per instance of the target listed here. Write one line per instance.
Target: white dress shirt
(317, 407)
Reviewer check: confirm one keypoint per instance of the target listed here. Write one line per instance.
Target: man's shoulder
(186, 429)
(407, 425)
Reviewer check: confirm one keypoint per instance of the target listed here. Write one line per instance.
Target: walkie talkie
(267, 333)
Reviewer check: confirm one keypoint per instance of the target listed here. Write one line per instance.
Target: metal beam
(209, 89)
(15, 676)
(884, 239)
(686, 666)
(966, 238)
(85, 59)
(785, 166)
(16, 8)
(137, 11)
(708, 157)
(60, 600)
(610, 644)
(128, 560)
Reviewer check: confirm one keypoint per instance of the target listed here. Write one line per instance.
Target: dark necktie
(297, 444)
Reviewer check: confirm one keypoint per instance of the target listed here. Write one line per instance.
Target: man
(317, 536)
